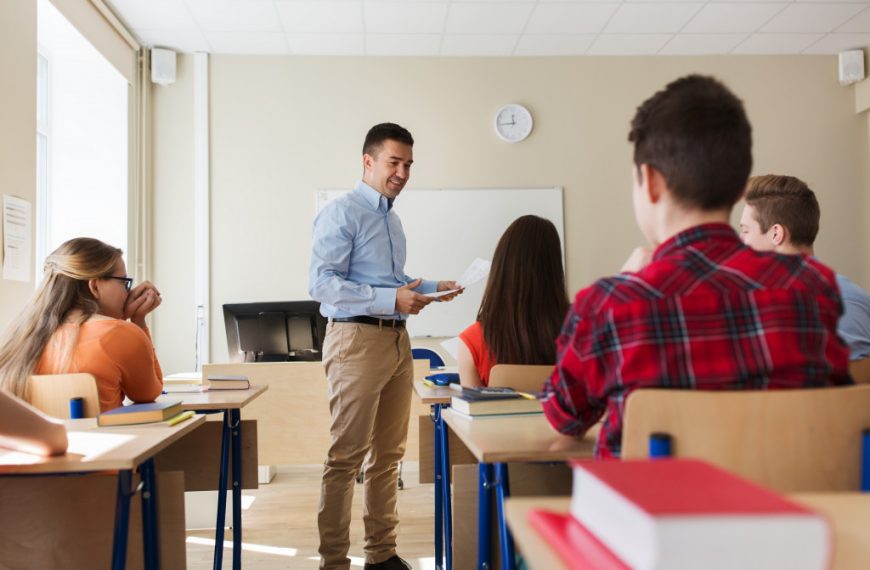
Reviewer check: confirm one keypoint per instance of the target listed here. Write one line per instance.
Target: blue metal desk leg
(222, 494)
(439, 500)
(122, 520)
(150, 537)
(484, 517)
(502, 490)
(236, 426)
(447, 518)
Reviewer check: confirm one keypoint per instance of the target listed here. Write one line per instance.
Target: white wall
(17, 125)
(282, 127)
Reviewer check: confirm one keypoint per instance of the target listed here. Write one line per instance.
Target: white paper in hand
(477, 271)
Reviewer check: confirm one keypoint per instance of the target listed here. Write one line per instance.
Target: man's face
(389, 169)
(750, 231)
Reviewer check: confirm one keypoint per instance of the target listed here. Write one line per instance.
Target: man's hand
(639, 258)
(409, 301)
(143, 299)
(449, 286)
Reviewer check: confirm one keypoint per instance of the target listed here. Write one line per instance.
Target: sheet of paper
(451, 345)
(440, 293)
(16, 238)
(477, 271)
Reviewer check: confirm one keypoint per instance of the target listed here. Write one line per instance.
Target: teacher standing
(357, 274)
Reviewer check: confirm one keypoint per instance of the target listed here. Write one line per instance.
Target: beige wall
(17, 126)
(282, 127)
(172, 236)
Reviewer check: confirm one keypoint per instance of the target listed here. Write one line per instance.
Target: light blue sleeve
(328, 283)
(854, 325)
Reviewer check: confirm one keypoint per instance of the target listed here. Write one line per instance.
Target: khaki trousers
(369, 374)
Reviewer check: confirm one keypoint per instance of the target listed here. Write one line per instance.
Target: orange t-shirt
(483, 360)
(119, 354)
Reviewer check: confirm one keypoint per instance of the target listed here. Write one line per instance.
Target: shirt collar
(704, 232)
(372, 197)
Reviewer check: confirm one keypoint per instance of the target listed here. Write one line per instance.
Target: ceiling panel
(405, 17)
(647, 18)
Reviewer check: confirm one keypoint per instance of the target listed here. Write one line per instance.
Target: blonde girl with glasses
(85, 317)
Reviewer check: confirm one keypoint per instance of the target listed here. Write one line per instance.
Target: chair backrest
(790, 440)
(522, 377)
(860, 371)
(423, 353)
(51, 394)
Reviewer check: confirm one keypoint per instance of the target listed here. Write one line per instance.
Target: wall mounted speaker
(851, 66)
(163, 66)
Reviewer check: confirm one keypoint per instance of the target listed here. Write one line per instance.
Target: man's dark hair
(696, 134)
(384, 132)
(787, 201)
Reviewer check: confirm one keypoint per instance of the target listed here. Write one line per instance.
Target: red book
(576, 546)
(686, 514)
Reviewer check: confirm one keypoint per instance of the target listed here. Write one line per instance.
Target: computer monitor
(274, 332)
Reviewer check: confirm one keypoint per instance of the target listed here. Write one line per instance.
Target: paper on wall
(16, 238)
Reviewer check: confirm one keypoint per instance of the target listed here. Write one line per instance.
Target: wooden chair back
(521, 377)
(860, 371)
(790, 440)
(51, 394)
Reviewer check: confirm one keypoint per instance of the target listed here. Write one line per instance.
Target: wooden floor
(280, 526)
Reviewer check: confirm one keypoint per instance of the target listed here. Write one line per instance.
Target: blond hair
(64, 288)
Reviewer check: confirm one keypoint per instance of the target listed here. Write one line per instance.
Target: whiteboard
(447, 228)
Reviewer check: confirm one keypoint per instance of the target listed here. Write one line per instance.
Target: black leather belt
(392, 323)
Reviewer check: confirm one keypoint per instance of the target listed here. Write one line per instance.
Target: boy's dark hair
(787, 201)
(384, 132)
(696, 134)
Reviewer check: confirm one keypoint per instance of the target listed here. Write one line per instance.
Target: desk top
(437, 395)
(518, 438)
(216, 399)
(849, 513)
(93, 448)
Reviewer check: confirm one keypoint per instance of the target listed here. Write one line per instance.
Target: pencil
(178, 418)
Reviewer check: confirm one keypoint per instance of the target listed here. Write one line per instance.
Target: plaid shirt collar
(704, 232)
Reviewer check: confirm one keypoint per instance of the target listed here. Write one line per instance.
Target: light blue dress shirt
(358, 257)
(854, 325)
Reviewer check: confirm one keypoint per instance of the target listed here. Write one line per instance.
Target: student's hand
(409, 301)
(639, 258)
(143, 299)
(449, 286)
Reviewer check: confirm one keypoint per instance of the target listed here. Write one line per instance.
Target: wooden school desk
(230, 403)
(849, 513)
(122, 449)
(495, 442)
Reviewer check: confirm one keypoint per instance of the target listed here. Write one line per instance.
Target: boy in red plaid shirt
(701, 310)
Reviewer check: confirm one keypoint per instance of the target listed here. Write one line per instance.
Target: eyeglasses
(128, 281)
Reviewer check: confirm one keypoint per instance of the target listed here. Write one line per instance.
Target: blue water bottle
(76, 408)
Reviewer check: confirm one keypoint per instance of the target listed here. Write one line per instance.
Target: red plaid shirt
(707, 313)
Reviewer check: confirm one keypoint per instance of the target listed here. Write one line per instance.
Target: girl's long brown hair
(525, 300)
(64, 288)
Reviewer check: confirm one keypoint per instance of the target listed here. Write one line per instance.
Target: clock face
(513, 123)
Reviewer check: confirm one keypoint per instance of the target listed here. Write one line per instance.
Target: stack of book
(227, 382)
(486, 402)
(182, 382)
(680, 514)
(141, 414)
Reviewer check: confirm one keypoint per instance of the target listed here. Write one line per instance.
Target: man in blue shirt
(357, 273)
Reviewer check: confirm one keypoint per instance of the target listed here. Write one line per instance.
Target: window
(82, 139)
